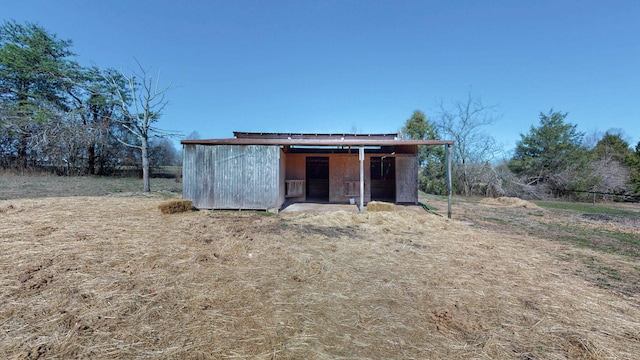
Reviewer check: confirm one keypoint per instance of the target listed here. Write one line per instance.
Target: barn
(263, 171)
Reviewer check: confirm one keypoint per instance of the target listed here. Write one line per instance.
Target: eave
(352, 141)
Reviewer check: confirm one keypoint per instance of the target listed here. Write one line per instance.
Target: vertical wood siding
(282, 176)
(406, 179)
(295, 169)
(188, 172)
(253, 176)
(232, 176)
(343, 168)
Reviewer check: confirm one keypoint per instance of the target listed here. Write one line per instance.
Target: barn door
(383, 178)
(407, 179)
(317, 178)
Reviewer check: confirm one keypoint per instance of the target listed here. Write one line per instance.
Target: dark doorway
(383, 178)
(318, 178)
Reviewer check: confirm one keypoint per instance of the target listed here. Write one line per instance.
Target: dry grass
(111, 277)
(380, 206)
(46, 185)
(509, 202)
(175, 206)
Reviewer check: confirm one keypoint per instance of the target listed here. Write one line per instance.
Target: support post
(449, 186)
(361, 158)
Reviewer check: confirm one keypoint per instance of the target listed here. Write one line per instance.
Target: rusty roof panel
(260, 135)
(348, 141)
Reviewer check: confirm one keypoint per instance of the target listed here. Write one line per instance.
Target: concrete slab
(295, 207)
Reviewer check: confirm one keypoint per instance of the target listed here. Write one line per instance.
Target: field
(107, 275)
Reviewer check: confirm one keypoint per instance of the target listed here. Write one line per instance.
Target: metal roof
(243, 138)
(260, 135)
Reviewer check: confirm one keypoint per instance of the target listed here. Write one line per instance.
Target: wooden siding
(295, 170)
(282, 173)
(198, 173)
(406, 179)
(343, 168)
(232, 176)
(254, 176)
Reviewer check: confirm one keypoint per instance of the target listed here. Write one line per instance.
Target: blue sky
(334, 66)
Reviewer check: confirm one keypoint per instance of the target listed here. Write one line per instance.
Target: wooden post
(448, 155)
(361, 158)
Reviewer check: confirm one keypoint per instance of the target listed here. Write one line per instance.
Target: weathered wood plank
(232, 176)
(406, 179)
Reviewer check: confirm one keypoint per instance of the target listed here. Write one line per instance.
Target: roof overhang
(292, 139)
(315, 142)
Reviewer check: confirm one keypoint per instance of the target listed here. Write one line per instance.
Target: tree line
(74, 120)
(59, 116)
(552, 160)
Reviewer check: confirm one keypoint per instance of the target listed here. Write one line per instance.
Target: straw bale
(380, 206)
(175, 206)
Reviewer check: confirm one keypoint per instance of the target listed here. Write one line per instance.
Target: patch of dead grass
(509, 202)
(111, 277)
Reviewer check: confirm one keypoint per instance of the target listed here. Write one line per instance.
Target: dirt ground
(111, 277)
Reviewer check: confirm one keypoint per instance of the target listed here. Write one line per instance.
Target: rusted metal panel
(356, 141)
(406, 179)
(259, 135)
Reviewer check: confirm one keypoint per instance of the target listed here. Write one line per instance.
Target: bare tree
(142, 106)
(592, 138)
(463, 121)
(610, 165)
(194, 135)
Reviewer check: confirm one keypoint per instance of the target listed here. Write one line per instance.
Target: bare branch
(463, 121)
(147, 101)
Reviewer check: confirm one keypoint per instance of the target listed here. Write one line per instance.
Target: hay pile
(175, 206)
(510, 202)
(113, 278)
(380, 206)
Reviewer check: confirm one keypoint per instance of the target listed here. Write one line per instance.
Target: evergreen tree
(35, 68)
(633, 160)
(610, 168)
(552, 154)
(612, 147)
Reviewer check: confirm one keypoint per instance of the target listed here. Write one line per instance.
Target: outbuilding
(262, 171)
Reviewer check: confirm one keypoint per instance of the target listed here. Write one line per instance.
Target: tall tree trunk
(145, 164)
(91, 161)
(466, 189)
(22, 161)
